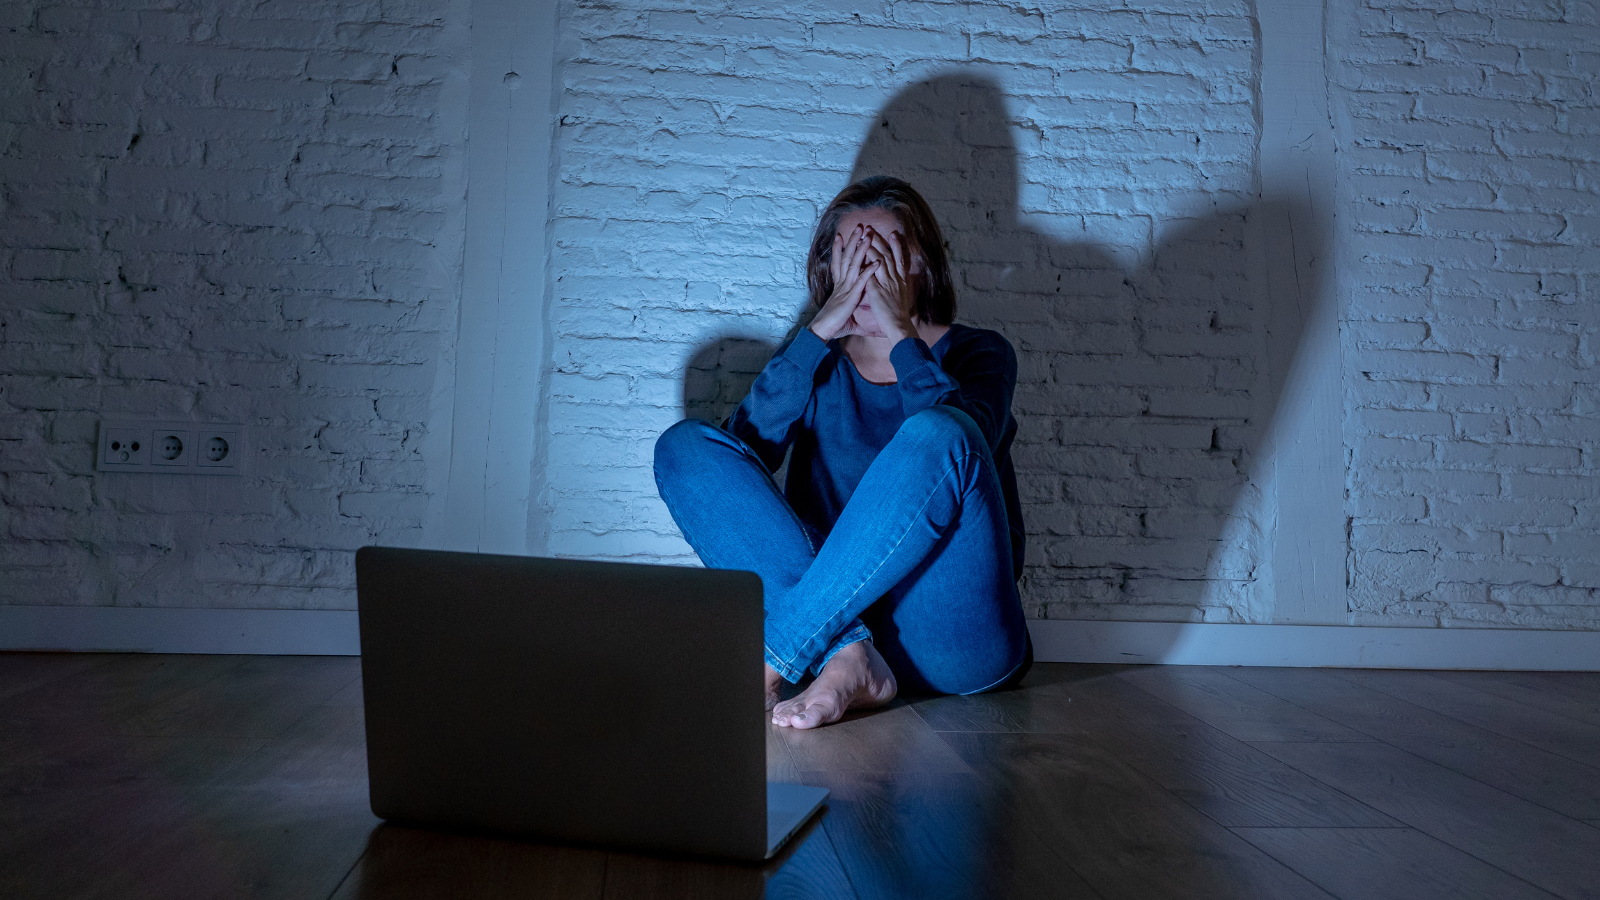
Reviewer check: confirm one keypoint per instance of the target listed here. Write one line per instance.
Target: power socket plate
(172, 448)
(123, 447)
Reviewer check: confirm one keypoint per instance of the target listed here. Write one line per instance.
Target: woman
(890, 559)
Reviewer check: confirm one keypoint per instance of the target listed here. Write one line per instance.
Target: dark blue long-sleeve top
(810, 396)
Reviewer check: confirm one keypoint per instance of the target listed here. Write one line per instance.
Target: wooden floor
(134, 776)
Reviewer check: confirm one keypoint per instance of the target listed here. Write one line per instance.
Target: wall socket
(175, 448)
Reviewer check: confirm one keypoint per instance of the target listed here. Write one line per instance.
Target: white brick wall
(1110, 161)
(223, 212)
(1473, 173)
(255, 214)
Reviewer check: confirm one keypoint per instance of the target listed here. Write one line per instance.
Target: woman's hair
(936, 293)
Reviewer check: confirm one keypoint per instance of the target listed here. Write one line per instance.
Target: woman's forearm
(981, 386)
(777, 400)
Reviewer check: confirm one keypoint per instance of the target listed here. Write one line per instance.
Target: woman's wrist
(900, 331)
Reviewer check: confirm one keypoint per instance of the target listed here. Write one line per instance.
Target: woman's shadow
(1143, 382)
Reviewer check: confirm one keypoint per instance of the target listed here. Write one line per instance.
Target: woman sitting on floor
(890, 558)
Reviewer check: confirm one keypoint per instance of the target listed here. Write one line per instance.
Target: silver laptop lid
(598, 702)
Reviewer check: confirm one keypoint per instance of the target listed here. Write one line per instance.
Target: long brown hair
(936, 293)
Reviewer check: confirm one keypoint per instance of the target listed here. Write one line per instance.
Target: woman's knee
(981, 672)
(683, 444)
(1013, 675)
(957, 671)
(942, 427)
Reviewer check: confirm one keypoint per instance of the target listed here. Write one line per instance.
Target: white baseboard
(334, 633)
(268, 632)
(1346, 646)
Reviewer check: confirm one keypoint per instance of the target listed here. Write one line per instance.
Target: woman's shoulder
(965, 339)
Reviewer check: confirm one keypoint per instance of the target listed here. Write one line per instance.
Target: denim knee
(942, 428)
(681, 444)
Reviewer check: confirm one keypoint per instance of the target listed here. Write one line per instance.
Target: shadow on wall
(1145, 383)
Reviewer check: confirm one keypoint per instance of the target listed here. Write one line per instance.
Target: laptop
(605, 703)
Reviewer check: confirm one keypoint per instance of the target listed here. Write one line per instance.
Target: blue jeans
(919, 561)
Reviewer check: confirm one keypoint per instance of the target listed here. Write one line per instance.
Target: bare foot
(774, 684)
(856, 678)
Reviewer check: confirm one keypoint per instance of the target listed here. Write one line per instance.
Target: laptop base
(788, 807)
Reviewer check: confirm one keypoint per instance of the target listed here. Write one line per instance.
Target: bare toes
(812, 711)
(814, 716)
(782, 712)
(803, 712)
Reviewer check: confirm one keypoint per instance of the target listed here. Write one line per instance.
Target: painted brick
(753, 267)
(294, 164)
(202, 271)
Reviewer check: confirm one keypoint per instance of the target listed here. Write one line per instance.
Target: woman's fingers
(895, 300)
(859, 262)
(902, 255)
(892, 276)
(886, 284)
(879, 296)
(858, 248)
(868, 267)
(889, 251)
(878, 244)
(834, 318)
(844, 245)
(863, 277)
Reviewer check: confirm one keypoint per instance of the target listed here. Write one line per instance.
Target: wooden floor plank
(75, 788)
(1545, 848)
(939, 836)
(281, 813)
(413, 864)
(22, 672)
(78, 725)
(1575, 695)
(806, 867)
(145, 776)
(1236, 709)
(888, 741)
(1124, 834)
(1388, 864)
(64, 754)
(1574, 739)
(1574, 683)
(864, 761)
(1226, 778)
(780, 763)
(288, 822)
(1041, 704)
(261, 695)
(809, 865)
(1518, 768)
(349, 695)
(627, 877)
(61, 837)
(115, 695)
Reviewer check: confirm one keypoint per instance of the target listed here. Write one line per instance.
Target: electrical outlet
(217, 448)
(124, 447)
(173, 448)
(170, 447)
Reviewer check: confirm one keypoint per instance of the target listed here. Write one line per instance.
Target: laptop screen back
(598, 702)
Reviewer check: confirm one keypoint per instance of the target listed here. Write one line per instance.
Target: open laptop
(605, 703)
